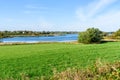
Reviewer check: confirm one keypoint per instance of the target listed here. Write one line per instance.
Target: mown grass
(36, 60)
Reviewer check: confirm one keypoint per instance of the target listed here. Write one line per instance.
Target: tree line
(94, 35)
(4, 34)
(91, 35)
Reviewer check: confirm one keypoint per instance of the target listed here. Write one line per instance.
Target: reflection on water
(63, 38)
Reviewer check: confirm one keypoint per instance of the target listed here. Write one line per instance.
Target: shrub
(91, 35)
(116, 34)
(99, 71)
(1, 35)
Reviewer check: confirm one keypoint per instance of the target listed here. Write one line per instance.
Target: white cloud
(92, 15)
(7, 19)
(28, 12)
(87, 12)
(35, 7)
(33, 12)
(44, 24)
(39, 24)
(96, 7)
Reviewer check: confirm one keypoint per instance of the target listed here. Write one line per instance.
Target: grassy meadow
(36, 60)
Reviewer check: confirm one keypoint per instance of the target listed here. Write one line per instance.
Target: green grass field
(36, 60)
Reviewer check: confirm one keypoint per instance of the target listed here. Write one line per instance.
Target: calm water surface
(63, 38)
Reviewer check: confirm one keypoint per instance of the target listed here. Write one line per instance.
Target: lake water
(63, 38)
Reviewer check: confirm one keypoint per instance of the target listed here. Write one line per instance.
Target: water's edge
(37, 39)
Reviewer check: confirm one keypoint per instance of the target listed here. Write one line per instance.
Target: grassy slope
(41, 59)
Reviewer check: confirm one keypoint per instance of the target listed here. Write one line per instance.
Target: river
(31, 39)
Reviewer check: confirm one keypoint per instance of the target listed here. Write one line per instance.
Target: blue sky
(59, 15)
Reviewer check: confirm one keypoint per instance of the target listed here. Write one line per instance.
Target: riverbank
(25, 43)
(48, 42)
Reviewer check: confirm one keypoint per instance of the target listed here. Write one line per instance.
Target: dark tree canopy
(117, 33)
(1, 35)
(91, 35)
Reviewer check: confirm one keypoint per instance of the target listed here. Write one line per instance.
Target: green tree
(1, 35)
(117, 33)
(91, 35)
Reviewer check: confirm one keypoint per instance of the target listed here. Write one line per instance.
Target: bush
(116, 35)
(91, 35)
(1, 35)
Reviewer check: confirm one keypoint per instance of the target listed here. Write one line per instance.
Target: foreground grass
(98, 72)
(36, 60)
